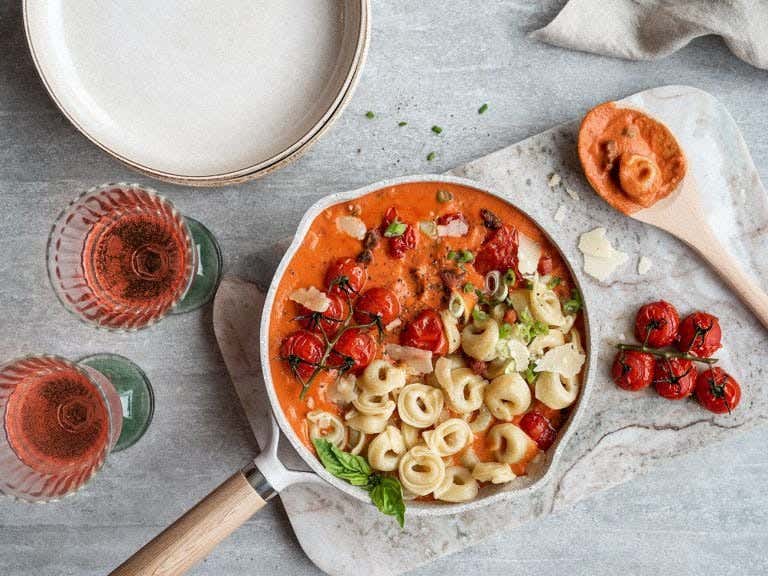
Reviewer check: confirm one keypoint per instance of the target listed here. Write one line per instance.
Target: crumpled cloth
(651, 29)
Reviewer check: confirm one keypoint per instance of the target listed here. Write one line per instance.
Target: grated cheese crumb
(643, 265)
(528, 254)
(560, 214)
(311, 298)
(554, 180)
(572, 193)
(601, 259)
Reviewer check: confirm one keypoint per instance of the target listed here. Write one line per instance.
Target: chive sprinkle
(370, 115)
(431, 156)
(403, 123)
(436, 129)
(482, 109)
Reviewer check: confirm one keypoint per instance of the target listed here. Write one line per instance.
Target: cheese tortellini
(463, 388)
(381, 377)
(328, 427)
(545, 305)
(507, 396)
(508, 442)
(385, 450)
(479, 339)
(458, 485)
(448, 438)
(421, 470)
(555, 390)
(419, 405)
(493, 472)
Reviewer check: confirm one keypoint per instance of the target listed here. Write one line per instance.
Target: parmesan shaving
(352, 226)
(560, 214)
(565, 360)
(600, 257)
(394, 324)
(311, 298)
(644, 265)
(454, 228)
(528, 255)
(572, 193)
(416, 360)
(554, 180)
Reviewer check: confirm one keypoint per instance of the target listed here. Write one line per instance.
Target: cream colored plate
(197, 91)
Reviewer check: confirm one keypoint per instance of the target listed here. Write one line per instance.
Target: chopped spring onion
(431, 156)
(395, 229)
(456, 305)
(437, 129)
(469, 288)
(444, 196)
(370, 115)
(482, 109)
(428, 228)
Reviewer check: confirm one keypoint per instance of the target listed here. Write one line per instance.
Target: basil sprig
(386, 492)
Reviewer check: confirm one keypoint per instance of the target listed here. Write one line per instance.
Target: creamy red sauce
(630, 159)
(414, 278)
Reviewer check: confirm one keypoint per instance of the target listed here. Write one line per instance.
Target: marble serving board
(621, 434)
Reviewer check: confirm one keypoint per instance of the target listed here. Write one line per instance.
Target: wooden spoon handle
(709, 247)
(193, 536)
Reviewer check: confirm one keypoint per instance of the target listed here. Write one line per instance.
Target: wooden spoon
(681, 215)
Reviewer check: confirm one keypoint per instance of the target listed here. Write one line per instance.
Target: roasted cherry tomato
(656, 324)
(426, 332)
(717, 391)
(700, 335)
(545, 265)
(379, 302)
(400, 244)
(633, 370)
(303, 350)
(539, 428)
(674, 378)
(329, 321)
(353, 352)
(345, 275)
(499, 251)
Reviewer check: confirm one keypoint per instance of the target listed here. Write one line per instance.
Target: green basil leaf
(387, 496)
(354, 469)
(395, 229)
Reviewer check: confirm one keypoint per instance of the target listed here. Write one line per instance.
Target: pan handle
(193, 536)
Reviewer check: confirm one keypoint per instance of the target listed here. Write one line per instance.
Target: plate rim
(266, 166)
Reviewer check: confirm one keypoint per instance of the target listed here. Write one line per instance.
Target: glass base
(135, 392)
(209, 268)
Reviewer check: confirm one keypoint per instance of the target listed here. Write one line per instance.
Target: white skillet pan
(196, 533)
(198, 92)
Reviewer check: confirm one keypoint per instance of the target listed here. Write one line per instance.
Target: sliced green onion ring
(456, 305)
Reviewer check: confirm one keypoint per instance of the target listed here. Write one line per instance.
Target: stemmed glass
(121, 257)
(61, 419)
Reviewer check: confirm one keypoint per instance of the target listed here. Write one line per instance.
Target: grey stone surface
(429, 64)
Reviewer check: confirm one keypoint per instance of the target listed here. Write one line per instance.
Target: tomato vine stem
(665, 353)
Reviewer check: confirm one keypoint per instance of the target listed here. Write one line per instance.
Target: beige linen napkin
(650, 29)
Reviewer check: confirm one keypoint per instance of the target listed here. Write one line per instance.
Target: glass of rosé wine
(121, 257)
(61, 419)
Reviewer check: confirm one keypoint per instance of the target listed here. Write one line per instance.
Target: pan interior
(195, 88)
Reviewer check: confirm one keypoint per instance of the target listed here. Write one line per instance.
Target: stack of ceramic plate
(197, 92)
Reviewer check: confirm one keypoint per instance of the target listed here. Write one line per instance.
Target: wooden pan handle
(193, 536)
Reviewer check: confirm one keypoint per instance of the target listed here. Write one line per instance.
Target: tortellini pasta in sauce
(385, 450)
(508, 443)
(327, 426)
(555, 390)
(458, 485)
(479, 339)
(448, 438)
(419, 405)
(508, 396)
(421, 470)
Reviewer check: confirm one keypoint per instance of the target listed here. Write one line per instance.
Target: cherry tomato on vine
(499, 251)
(378, 302)
(717, 391)
(539, 428)
(303, 350)
(329, 321)
(656, 324)
(345, 275)
(700, 335)
(353, 351)
(633, 370)
(426, 332)
(674, 378)
(400, 236)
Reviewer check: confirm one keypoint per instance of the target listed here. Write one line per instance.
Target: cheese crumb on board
(554, 179)
(643, 265)
(572, 193)
(600, 257)
(560, 214)
(311, 298)
(528, 255)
